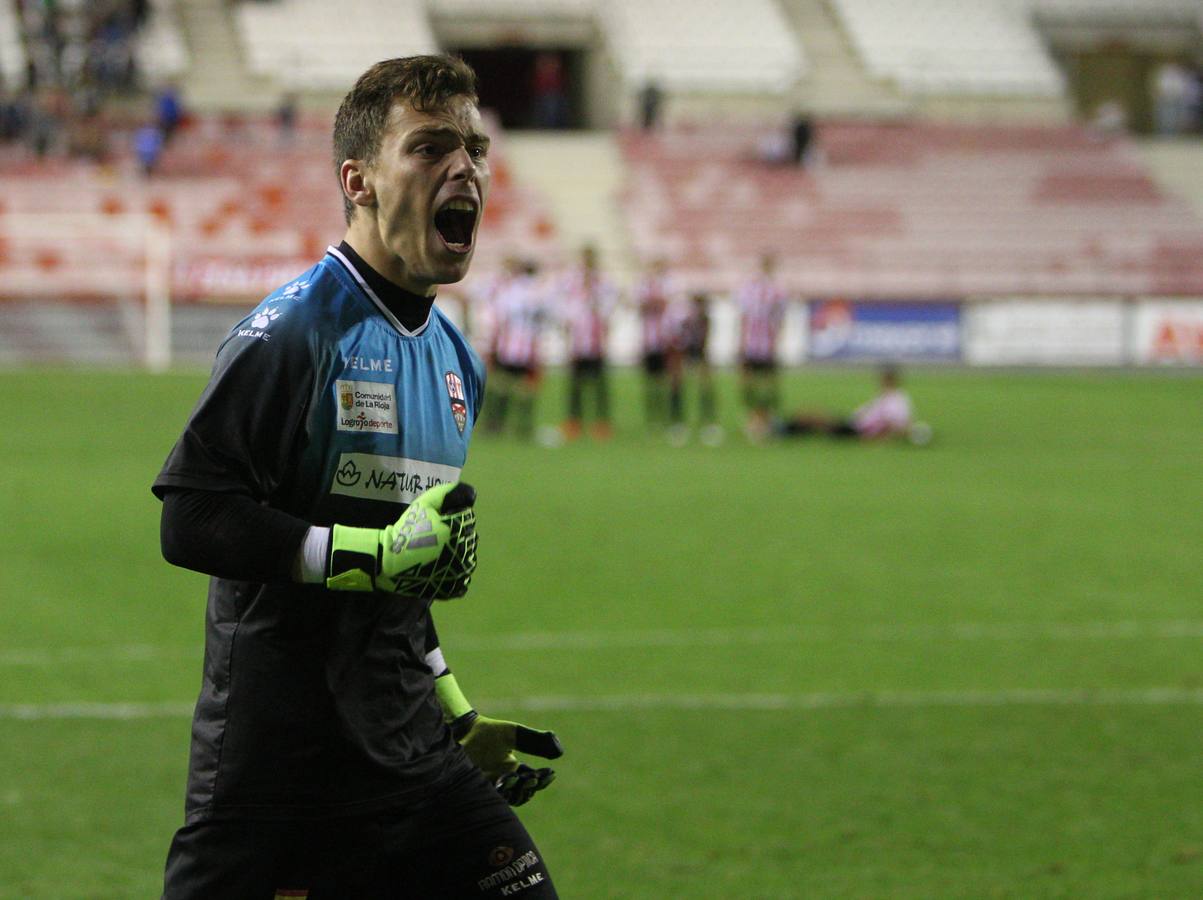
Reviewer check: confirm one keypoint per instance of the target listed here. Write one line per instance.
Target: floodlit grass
(796, 670)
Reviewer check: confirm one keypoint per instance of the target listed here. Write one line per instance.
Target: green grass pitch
(973, 669)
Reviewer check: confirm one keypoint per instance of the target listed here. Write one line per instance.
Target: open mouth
(455, 223)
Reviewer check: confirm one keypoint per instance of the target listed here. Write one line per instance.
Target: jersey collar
(375, 298)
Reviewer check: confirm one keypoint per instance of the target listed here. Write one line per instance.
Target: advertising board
(1045, 331)
(1168, 332)
(866, 330)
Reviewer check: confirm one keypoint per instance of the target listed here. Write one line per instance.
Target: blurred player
(333, 755)
(519, 314)
(761, 303)
(654, 295)
(688, 362)
(589, 300)
(887, 415)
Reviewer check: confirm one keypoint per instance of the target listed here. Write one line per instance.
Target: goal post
(85, 287)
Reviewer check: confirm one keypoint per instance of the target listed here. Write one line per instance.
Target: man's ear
(357, 182)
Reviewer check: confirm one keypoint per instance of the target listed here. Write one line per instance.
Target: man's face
(430, 179)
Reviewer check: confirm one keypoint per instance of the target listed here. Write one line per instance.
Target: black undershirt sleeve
(229, 535)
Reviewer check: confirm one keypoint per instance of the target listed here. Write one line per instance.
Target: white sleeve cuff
(435, 661)
(312, 556)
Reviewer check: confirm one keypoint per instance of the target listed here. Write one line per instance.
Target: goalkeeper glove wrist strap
(461, 726)
(354, 559)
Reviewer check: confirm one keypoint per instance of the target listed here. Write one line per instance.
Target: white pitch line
(882, 632)
(1156, 696)
(886, 632)
(123, 711)
(771, 702)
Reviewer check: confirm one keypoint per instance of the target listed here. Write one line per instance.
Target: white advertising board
(1168, 332)
(1045, 331)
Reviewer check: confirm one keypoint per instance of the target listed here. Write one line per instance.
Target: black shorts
(527, 373)
(588, 366)
(465, 842)
(760, 366)
(655, 363)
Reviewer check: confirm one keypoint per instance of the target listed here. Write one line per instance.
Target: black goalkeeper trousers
(466, 843)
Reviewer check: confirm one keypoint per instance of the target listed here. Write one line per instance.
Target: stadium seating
(306, 44)
(12, 50)
(161, 51)
(230, 237)
(1145, 10)
(977, 47)
(915, 210)
(512, 8)
(952, 46)
(727, 47)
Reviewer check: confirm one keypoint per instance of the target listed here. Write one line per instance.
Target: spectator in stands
(887, 415)
(45, 124)
(589, 300)
(148, 147)
(286, 118)
(1172, 87)
(1109, 119)
(801, 132)
(88, 138)
(520, 312)
(651, 98)
(169, 110)
(549, 90)
(15, 109)
(110, 51)
(1194, 102)
(655, 296)
(688, 362)
(761, 302)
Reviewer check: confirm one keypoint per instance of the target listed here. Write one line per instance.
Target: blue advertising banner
(861, 330)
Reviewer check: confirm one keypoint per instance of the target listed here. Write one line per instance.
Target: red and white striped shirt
(518, 313)
(887, 413)
(589, 301)
(761, 304)
(654, 296)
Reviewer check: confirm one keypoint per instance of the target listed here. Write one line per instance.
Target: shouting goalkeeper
(317, 482)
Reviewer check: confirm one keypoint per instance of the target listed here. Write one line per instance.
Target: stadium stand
(890, 208)
(722, 47)
(162, 53)
(952, 46)
(230, 237)
(1144, 10)
(519, 9)
(12, 50)
(979, 47)
(278, 38)
(916, 210)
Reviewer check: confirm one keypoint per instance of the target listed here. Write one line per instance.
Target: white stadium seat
(735, 47)
(305, 44)
(12, 51)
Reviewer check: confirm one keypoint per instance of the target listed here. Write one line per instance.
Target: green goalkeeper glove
(429, 553)
(490, 744)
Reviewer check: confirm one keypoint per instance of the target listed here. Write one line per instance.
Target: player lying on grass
(887, 415)
(316, 480)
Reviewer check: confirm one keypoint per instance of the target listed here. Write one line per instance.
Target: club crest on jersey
(459, 405)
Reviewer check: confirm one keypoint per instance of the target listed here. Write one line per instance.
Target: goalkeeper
(317, 481)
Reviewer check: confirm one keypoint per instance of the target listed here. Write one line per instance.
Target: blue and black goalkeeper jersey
(324, 406)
